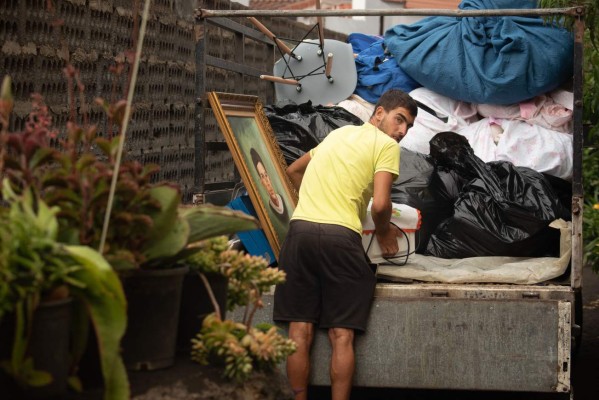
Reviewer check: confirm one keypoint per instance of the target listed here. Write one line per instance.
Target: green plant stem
(211, 295)
(255, 306)
(125, 123)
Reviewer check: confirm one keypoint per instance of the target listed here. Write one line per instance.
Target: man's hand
(381, 214)
(388, 240)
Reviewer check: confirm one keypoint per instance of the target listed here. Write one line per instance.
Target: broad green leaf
(169, 199)
(47, 219)
(38, 378)
(207, 221)
(86, 160)
(75, 384)
(174, 238)
(106, 305)
(41, 155)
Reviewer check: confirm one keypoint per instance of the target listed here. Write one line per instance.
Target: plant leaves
(207, 221)
(37, 377)
(40, 156)
(169, 199)
(106, 304)
(173, 240)
(75, 384)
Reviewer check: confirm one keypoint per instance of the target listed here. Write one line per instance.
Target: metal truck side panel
(456, 343)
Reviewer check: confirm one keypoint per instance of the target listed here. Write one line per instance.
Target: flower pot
(196, 304)
(153, 299)
(48, 346)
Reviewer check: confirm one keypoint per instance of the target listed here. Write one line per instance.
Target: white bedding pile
(535, 134)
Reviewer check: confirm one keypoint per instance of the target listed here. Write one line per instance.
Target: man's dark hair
(394, 98)
(255, 157)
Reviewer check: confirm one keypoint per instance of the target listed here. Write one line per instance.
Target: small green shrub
(590, 98)
(239, 347)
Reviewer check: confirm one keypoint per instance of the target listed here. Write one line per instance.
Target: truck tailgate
(469, 337)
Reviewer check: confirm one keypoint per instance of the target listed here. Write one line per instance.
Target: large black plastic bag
(300, 127)
(419, 186)
(502, 210)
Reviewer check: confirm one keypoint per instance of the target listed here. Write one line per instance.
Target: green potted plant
(149, 230)
(192, 224)
(238, 347)
(204, 288)
(46, 288)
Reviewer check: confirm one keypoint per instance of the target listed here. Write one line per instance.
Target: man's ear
(379, 113)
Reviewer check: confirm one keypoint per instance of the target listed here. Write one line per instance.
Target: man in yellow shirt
(329, 279)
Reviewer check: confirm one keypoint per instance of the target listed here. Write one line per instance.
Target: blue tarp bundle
(499, 60)
(377, 71)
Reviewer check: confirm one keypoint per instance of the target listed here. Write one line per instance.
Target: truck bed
(495, 337)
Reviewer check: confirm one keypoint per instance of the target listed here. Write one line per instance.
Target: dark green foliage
(590, 99)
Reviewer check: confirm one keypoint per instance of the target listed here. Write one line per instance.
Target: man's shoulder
(345, 130)
(342, 129)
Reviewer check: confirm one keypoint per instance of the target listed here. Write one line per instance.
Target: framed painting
(259, 161)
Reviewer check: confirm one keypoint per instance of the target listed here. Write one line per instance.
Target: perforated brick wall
(170, 125)
(257, 57)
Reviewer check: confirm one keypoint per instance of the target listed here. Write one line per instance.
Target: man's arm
(296, 170)
(381, 213)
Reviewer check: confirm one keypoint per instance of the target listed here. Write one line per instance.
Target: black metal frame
(203, 60)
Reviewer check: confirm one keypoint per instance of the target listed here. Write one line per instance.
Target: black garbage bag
(300, 127)
(420, 186)
(502, 210)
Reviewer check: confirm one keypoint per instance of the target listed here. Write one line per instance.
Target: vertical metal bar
(577, 189)
(381, 25)
(239, 57)
(200, 129)
(239, 39)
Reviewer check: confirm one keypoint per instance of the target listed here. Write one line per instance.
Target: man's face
(265, 179)
(394, 123)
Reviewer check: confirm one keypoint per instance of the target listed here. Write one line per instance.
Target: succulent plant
(238, 346)
(240, 349)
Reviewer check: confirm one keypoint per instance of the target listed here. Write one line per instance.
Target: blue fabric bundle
(377, 71)
(498, 60)
(361, 41)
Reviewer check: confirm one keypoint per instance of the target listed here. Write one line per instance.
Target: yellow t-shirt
(339, 180)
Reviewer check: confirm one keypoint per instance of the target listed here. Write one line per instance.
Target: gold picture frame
(251, 141)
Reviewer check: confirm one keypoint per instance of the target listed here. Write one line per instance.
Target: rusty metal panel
(465, 344)
(475, 291)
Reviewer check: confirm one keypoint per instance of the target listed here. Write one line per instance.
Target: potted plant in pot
(147, 288)
(204, 289)
(46, 288)
(149, 230)
(238, 347)
(84, 274)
